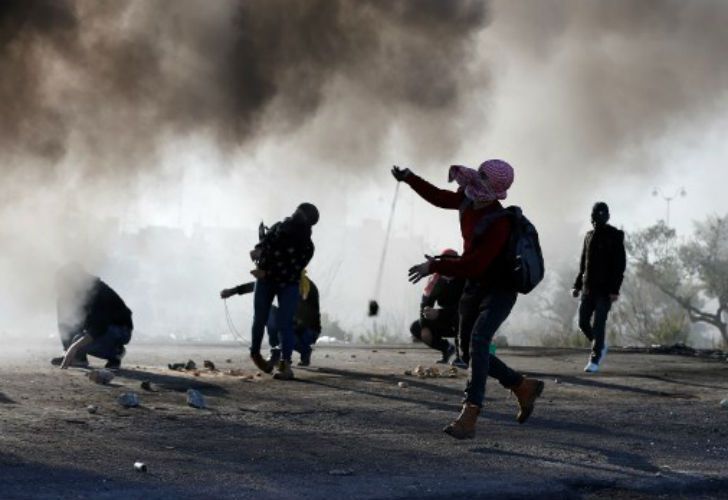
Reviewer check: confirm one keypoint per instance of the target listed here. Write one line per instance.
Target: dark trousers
(304, 338)
(438, 329)
(109, 345)
(288, 296)
(481, 314)
(593, 312)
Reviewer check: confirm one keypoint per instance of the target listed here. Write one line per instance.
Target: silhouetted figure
(489, 294)
(92, 319)
(601, 272)
(282, 254)
(436, 324)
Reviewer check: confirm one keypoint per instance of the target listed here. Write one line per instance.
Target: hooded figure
(92, 319)
(601, 271)
(436, 324)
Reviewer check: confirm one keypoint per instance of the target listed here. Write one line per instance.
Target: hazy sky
(175, 113)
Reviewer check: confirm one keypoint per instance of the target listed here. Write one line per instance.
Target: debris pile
(432, 372)
(680, 349)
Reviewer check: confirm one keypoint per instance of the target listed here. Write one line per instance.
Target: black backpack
(523, 250)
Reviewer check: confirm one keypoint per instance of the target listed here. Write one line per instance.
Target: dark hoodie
(603, 261)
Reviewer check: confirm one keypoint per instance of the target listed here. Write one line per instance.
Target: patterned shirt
(286, 250)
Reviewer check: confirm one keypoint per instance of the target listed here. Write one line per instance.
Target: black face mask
(600, 214)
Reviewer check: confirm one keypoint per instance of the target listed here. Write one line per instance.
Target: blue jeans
(304, 338)
(109, 345)
(482, 313)
(596, 305)
(288, 297)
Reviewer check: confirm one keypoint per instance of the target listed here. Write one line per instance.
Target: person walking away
(282, 254)
(601, 271)
(489, 296)
(436, 324)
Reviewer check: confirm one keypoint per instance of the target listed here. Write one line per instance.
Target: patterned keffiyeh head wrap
(488, 183)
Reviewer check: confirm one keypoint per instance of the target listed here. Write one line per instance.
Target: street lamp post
(668, 199)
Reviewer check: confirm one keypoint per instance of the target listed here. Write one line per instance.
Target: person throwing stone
(488, 297)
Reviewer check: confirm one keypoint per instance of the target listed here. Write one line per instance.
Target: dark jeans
(438, 328)
(304, 338)
(109, 345)
(593, 312)
(481, 314)
(288, 296)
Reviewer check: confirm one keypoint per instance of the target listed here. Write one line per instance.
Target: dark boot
(275, 357)
(463, 427)
(260, 362)
(527, 392)
(305, 359)
(447, 354)
(284, 371)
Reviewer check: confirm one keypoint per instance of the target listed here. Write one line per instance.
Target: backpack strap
(485, 222)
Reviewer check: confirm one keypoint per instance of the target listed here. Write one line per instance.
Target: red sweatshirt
(475, 262)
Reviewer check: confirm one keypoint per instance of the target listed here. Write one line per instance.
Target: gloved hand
(400, 173)
(575, 292)
(416, 273)
(227, 292)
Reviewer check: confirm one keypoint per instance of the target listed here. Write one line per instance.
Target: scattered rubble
(128, 400)
(209, 365)
(147, 385)
(195, 399)
(140, 467)
(228, 361)
(724, 404)
(92, 409)
(680, 349)
(189, 366)
(402, 385)
(102, 376)
(432, 372)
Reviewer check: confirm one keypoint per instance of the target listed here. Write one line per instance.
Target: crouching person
(306, 324)
(92, 319)
(282, 254)
(489, 296)
(437, 324)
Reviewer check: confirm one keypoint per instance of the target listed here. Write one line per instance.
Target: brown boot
(463, 427)
(260, 362)
(284, 371)
(527, 391)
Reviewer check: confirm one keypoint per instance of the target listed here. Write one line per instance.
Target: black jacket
(445, 293)
(308, 314)
(97, 308)
(603, 261)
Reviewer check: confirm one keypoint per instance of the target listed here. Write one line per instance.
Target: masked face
(600, 214)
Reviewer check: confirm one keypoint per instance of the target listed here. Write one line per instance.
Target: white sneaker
(603, 353)
(591, 367)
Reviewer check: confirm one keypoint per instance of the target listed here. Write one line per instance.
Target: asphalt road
(648, 426)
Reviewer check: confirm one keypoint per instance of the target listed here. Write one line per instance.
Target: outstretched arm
(238, 290)
(441, 198)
